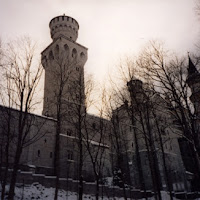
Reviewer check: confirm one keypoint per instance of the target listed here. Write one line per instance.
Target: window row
(64, 26)
(74, 53)
(70, 155)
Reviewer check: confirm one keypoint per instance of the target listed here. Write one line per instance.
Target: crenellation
(64, 25)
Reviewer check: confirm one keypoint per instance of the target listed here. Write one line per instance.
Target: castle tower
(135, 88)
(193, 80)
(63, 61)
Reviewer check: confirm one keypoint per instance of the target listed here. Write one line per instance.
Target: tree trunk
(57, 152)
(97, 187)
(80, 166)
(14, 174)
(165, 167)
(5, 177)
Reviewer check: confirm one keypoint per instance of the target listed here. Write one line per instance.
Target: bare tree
(22, 75)
(79, 92)
(139, 107)
(96, 141)
(119, 141)
(169, 78)
(61, 68)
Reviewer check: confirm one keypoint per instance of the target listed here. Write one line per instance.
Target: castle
(117, 145)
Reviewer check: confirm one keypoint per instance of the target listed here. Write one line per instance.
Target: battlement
(64, 25)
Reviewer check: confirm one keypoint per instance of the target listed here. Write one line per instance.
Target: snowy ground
(37, 191)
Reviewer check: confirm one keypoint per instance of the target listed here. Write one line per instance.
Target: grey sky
(109, 28)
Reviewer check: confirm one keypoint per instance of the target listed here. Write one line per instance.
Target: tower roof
(191, 68)
(193, 74)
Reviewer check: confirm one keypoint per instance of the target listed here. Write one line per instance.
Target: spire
(191, 68)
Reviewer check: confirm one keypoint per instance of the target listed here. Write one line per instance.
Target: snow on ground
(38, 192)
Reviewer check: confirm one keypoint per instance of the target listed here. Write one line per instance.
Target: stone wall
(72, 185)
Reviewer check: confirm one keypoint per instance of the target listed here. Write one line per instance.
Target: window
(51, 155)
(74, 53)
(70, 155)
(82, 55)
(66, 50)
(77, 96)
(38, 153)
(77, 69)
(45, 140)
(51, 57)
(47, 113)
(57, 52)
(44, 59)
(69, 132)
(94, 125)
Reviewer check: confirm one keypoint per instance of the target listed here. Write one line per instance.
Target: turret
(135, 87)
(63, 59)
(64, 25)
(193, 80)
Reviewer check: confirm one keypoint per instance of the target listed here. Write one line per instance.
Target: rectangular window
(70, 155)
(38, 153)
(69, 132)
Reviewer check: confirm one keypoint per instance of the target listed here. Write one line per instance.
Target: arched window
(66, 50)
(57, 52)
(74, 53)
(51, 57)
(44, 59)
(82, 55)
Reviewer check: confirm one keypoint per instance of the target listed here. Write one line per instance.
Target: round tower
(63, 61)
(135, 88)
(64, 25)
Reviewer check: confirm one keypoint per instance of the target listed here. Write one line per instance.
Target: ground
(37, 192)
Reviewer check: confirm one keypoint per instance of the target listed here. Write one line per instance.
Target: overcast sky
(108, 28)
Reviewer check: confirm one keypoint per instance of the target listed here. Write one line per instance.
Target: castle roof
(193, 74)
(191, 68)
